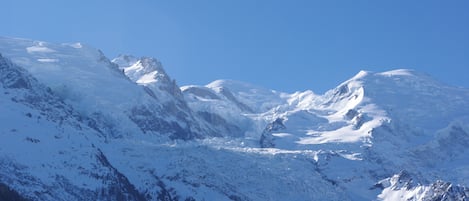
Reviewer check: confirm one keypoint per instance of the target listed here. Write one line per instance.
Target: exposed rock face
(118, 186)
(76, 126)
(403, 187)
(446, 191)
(170, 113)
(6, 193)
(22, 88)
(267, 140)
(12, 77)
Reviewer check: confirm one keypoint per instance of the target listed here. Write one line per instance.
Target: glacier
(76, 125)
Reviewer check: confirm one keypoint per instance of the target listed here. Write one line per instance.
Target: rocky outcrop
(404, 187)
(8, 194)
(118, 186)
(267, 139)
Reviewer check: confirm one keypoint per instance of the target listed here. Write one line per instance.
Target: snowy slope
(95, 86)
(391, 121)
(233, 105)
(47, 149)
(149, 74)
(75, 125)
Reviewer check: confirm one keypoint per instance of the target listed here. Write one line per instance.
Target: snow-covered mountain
(75, 125)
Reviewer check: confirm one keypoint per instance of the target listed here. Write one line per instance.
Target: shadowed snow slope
(78, 126)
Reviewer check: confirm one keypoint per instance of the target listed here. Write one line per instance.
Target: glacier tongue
(78, 126)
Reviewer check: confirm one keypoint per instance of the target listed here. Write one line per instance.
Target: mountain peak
(255, 97)
(125, 60)
(406, 78)
(408, 94)
(68, 112)
(362, 74)
(143, 70)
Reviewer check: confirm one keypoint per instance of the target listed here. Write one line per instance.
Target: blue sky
(283, 45)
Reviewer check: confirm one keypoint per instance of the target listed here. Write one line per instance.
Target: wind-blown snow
(39, 49)
(399, 72)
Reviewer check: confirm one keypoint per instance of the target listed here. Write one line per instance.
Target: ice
(335, 146)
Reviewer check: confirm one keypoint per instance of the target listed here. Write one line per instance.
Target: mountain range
(76, 125)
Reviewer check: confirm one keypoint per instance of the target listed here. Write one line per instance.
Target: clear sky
(287, 45)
